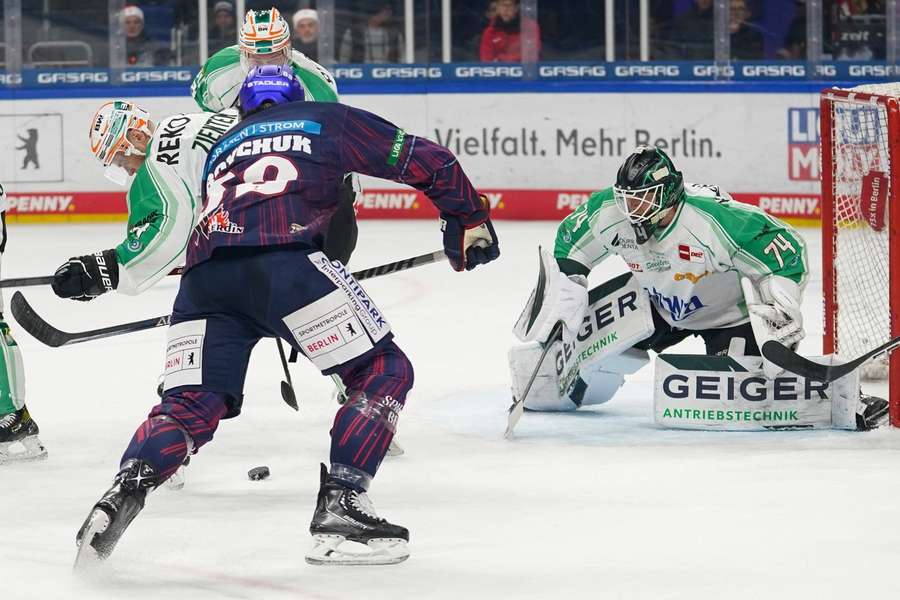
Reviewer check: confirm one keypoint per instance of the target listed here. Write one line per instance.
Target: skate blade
(24, 450)
(176, 481)
(328, 550)
(395, 449)
(87, 557)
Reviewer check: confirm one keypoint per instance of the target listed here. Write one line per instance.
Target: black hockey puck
(258, 473)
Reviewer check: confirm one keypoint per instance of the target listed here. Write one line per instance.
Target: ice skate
(873, 413)
(19, 438)
(113, 513)
(344, 516)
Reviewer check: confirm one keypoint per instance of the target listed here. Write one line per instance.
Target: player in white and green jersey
(707, 265)
(688, 246)
(18, 431)
(265, 38)
(166, 161)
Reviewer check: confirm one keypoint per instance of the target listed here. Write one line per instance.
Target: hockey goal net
(860, 133)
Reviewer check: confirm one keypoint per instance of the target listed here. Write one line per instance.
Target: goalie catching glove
(778, 307)
(84, 278)
(468, 246)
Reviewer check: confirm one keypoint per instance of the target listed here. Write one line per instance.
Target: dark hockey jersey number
(274, 179)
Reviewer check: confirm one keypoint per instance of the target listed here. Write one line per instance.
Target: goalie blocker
(590, 368)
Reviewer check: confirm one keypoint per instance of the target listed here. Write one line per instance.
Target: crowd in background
(165, 32)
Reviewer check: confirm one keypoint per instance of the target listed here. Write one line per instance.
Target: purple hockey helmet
(268, 85)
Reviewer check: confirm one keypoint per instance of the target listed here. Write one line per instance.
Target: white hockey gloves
(775, 313)
(555, 297)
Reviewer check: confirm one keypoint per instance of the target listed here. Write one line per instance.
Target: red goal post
(860, 153)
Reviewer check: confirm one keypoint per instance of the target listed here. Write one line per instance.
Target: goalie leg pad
(548, 392)
(732, 393)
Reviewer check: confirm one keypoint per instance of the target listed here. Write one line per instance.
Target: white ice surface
(597, 504)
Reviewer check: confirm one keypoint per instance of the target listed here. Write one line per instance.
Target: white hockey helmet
(265, 38)
(108, 135)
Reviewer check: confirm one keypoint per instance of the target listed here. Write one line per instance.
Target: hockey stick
(287, 387)
(49, 335)
(48, 279)
(518, 405)
(789, 360)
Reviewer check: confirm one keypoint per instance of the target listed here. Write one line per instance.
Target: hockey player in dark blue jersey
(255, 268)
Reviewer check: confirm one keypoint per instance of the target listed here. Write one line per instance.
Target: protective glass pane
(59, 34)
(369, 31)
(679, 30)
(572, 31)
(855, 29)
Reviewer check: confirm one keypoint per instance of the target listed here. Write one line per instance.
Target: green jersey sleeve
(216, 81)
(760, 245)
(217, 84)
(161, 216)
(583, 239)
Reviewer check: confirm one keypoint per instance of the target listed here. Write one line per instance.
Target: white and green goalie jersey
(163, 200)
(691, 269)
(217, 84)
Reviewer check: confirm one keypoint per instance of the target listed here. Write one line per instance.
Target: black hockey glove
(86, 277)
(468, 248)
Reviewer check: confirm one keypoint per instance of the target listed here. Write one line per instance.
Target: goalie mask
(264, 39)
(647, 185)
(109, 135)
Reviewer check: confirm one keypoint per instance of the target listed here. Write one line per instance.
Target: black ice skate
(873, 413)
(344, 515)
(19, 438)
(114, 512)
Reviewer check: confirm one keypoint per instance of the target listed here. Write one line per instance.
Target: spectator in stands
(138, 47)
(746, 38)
(795, 39)
(140, 50)
(223, 30)
(306, 32)
(691, 34)
(858, 29)
(502, 38)
(374, 38)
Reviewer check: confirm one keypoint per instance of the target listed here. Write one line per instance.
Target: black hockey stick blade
(51, 336)
(518, 405)
(789, 360)
(48, 279)
(287, 387)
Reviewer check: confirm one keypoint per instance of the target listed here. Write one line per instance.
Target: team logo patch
(184, 354)
(692, 277)
(690, 254)
(220, 222)
(678, 308)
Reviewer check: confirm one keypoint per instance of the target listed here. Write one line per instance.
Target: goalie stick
(49, 335)
(789, 360)
(48, 279)
(518, 405)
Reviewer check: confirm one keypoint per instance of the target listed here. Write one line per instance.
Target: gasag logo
(803, 144)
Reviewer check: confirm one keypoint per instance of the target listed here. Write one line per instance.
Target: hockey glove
(469, 246)
(86, 277)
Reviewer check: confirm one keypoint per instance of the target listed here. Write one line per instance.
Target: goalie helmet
(647, 184)
(265, 38)
(267, 85)
(109, 135)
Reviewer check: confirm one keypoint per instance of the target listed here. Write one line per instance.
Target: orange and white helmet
(108, 135)
(265, 38)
